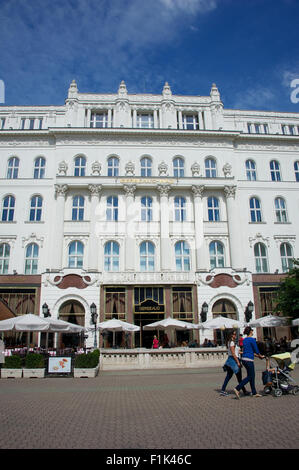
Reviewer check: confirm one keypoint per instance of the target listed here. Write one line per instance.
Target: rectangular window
(115, 302)
(31, 124)
(284, 129)
(190, 122)
(257, 128)
(145, 121)
(266, 128)
(2, 123)
(40, 123)
(292, 130)
(20, 301)
(182, 305)
(23, 122)
(249, 127)
(99, 120)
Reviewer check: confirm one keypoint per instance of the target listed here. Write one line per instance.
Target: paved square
(163, 409)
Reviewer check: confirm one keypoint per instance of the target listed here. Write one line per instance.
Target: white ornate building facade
(147, 206)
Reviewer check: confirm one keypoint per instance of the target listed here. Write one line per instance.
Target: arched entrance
(71, 311)
(225, 308)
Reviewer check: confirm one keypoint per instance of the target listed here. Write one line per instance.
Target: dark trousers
(249, 366)
(229, 375)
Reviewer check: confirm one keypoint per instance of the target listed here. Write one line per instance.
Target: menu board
(58, 365)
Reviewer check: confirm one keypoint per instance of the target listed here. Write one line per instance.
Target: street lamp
(94, 316)
(248, 311)
(45, 310)
(204, 311)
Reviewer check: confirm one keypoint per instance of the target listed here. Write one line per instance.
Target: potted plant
(34, 366)
(12, 367)
(87, 365)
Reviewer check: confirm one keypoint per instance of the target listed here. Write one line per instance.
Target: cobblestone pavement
(161, 409)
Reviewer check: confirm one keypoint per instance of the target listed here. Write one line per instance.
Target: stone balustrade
(128, 359)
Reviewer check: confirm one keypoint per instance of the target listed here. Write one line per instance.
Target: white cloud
(253, 98)
(190, 6)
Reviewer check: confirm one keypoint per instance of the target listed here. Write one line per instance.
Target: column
(134, 117)
(88, 115)
(165, 247)
(200, 249)
(180, 119)
(109, 117)
(130, 228)
(234, 229)
(200, 120)
(58, 227)
(93, 249)
(155, 119)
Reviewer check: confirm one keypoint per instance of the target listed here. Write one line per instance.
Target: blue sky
(249, 48)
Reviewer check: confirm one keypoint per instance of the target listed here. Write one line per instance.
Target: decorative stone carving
(259, 239)
(33, 239)
(195, 169)
(96, 168)
(198, 190)
(227, 170)
(122, 90)
(129, 189)
(163, 189)
(166, 91)
(62, 168)
(130, 169)
(95, 189)
(230, 191)
(163, 168)
(61, 189)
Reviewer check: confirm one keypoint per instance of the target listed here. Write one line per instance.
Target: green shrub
(13, 362)
(34, 361)
(87, 361)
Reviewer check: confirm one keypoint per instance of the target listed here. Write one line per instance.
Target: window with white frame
(216, 250)
(275, 170)
(35, 214)
(145, 120)
(39, 168)
(286, 254)
(182, 256)
(257, 128)
(146, 167)
(255, 210)
(210, 168)
(190, 121)
(4, 257)
(8, 208)
(280, 210)
(178, 167)
(78, 208)
(213, 209)
(13, 168)
(31, 258)
(31, 123)
(113, 166)
(80, 166)
(179, 209)
(111, 256)
(112, 208)
(99, 120)
(250, 170)
(75, 254)
(146, 209)
(2, 123)
(261, 258)
(147, 256)
(296, 169)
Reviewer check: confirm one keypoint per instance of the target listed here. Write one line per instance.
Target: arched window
(113, 166)
(280, 210)
(39, 168)
(78, 208)
(178, 167)
(112, 208)
(179, 209)
(147, 256)
(296, 169)
(75, 256)
(210, 168)
(182, 256)
(13, 168)
(146, 209)
(31, 258)
(80, 166)
(8, 209)
(213, 209)
(255, 209)
(286, 254)
(36, 204)
(4, 257)
(275, 170)
(146, 167)
(261, 258)
(250, 170)
(111, 256)
(216, 250)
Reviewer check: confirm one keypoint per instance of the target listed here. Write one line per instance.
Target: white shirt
(237, 349)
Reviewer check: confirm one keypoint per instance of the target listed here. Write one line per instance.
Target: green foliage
(288, 293)
(13, 362)
(34, 361)
(87, 361)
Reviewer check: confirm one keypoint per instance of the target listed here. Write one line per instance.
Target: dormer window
(145, 120)
(190, 122)
(99, 120)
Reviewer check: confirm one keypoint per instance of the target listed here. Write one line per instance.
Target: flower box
(86, 373)
(34, 366)
(11, 373)
(33, 373)
(87, 365)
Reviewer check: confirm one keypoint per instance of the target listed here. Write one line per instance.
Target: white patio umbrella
(268, 321)
(295, 322)
(116, 325)
(221, 323)
(170, 325)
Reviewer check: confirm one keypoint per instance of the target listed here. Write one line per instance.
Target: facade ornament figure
(230, 191)
(61, 189)
(73, 90)
(96, 168)
(198, 190)
(62, 168)
(195, 168)
(163, 189)
(130, 169)
(163, 168)
(95, 189)
(166, 91)
(129, 189)
(122, 90)
(227, 170)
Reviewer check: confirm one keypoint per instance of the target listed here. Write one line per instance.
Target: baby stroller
(277, 378)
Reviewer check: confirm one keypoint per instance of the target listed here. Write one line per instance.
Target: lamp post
(94, 316)
(248, 311)
(46, 312)
(204, 311)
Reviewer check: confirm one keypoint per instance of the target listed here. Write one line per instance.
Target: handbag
(230, 362)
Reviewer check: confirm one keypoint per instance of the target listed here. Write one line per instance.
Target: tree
(288, 293)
